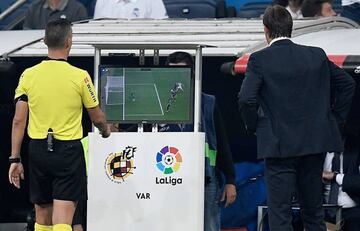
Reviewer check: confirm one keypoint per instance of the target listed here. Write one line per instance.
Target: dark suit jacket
(351, 181)
(291, 83)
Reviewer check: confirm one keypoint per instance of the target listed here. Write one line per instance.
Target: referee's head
(58, 35)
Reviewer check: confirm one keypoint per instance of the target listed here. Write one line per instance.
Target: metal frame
(156, 47)
(230, 36)
(12, 8)
(261, 208)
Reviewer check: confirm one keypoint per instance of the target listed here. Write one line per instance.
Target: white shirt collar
(278, 39)
(126, 1)
(295, 15)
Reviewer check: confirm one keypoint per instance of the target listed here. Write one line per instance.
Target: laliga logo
(168, 161)
(357, 70)
(120, 165)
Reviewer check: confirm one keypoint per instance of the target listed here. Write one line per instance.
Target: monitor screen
(146, 95)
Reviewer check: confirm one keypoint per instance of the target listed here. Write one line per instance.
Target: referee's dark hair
(278, 21)
(180, 57)
(56, 33)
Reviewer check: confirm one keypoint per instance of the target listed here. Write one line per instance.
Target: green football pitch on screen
(146, 94)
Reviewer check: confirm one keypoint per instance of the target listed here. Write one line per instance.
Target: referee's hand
(107, 132)
(16, 172)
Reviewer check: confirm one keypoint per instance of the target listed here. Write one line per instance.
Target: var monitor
(147, 95)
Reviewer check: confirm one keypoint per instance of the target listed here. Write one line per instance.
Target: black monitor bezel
(192, 92)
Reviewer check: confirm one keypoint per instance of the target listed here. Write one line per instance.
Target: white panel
(229, 35)
(11, 40)
(334, 42)
(146, 198)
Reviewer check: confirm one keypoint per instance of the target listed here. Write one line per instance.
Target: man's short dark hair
(278, 21)
(312, 8)
(180, 57)
(56, 33)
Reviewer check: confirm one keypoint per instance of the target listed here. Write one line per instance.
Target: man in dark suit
(295, 123)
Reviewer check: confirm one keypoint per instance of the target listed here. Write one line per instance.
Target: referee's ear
(45, 41)
(68, 42)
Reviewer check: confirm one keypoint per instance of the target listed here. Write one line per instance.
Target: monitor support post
(154, 127)
(198, 89)
(140, 127)
(97, 61)
(141, 57)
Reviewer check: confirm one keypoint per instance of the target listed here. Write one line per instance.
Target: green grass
(147, 94)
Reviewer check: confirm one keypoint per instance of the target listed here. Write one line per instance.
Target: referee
(53, 94)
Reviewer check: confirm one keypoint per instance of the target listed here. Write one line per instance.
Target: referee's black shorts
(57, 175)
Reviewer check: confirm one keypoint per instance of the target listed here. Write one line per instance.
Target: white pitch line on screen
(144, 114)
(163, 71)
(139, 84)
(157, 94)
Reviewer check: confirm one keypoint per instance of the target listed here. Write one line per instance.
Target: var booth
(151, 181)
(146, 181)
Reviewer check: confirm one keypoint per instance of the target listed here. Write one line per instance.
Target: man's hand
(229, 194)
(16, 172)
(328, 176)
(114, 127)
(106, 133)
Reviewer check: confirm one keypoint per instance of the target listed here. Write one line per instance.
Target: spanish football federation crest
(120, 165)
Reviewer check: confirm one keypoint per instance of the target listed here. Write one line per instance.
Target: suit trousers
(287, 176)
(351, 219)
(351, 224)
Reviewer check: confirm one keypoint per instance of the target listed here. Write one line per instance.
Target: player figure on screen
(173, 92)
(132, 96)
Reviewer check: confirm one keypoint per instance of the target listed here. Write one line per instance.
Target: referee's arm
(91, 104)
(16, 170)
(99, 120)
